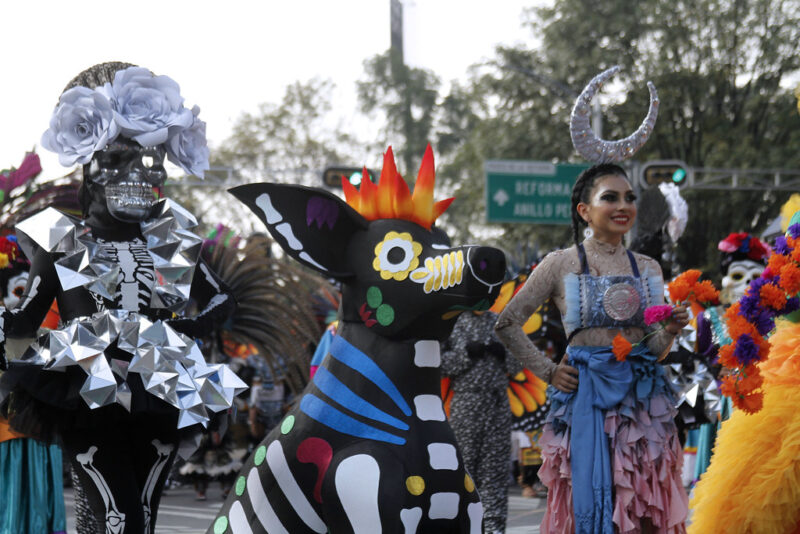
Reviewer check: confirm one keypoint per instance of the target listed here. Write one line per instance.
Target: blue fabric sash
(603, 383)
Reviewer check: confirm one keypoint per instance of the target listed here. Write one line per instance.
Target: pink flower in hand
(656, 314)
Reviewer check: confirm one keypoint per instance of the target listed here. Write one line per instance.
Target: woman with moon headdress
(121, 382)
(612, 458)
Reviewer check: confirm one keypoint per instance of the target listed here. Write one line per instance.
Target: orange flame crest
(391, 198)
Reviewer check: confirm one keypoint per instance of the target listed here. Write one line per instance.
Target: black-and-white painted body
(367, 449)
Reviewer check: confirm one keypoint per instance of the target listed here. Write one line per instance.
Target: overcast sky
(228, 56)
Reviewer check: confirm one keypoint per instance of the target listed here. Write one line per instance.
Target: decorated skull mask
(120, 122)
(743, 259)
(735, 282)
(128, 172)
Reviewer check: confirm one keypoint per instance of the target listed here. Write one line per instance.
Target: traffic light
(332, 176)
(665, 171)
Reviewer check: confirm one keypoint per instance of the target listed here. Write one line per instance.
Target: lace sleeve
(538, 288)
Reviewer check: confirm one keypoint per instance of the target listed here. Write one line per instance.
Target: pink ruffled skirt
(646, 462)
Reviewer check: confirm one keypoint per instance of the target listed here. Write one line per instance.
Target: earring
(587, 233)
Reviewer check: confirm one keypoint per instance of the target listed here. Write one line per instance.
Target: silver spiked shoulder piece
(599, 150)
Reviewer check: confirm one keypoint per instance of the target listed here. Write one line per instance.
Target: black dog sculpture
(368, 449)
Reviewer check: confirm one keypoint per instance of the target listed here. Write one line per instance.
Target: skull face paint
(740, 274)
(15, 287)
(128, 172)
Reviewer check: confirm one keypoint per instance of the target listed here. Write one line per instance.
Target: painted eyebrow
(616, 192)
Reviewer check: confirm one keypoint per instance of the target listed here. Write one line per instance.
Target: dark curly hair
(97, 75)
(581, 191)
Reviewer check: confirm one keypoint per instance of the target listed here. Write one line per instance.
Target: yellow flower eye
(396, 256)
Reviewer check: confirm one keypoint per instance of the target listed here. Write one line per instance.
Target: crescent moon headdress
(599, 150)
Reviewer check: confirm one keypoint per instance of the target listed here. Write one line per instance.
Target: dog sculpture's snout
(488, 264)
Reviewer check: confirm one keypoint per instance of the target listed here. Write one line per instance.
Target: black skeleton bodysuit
(121, 381)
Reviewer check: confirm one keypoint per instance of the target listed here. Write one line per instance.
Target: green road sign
(529, 191)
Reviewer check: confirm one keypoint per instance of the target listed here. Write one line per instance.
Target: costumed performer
(121, 382)
(479, 368)
(31, 477)
(753, 481)
(612, 458)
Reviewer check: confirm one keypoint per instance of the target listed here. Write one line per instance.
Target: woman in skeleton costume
(121, 382)
(612, 458)
(31, 477)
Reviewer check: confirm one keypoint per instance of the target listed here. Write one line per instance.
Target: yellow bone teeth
(440, 272)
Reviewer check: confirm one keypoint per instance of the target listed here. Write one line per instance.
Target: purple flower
(147, 106)
(82, 124)
(792, 305)
(794, 230)
(764, 322)
(750, 304)
(781, 246)
(746, 350)
(187, 147)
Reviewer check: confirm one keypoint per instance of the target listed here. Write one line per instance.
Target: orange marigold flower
(751, 380)
(621, 347)
(738, 325)
(772, 296)
(728, 386)
(763, 348)
(682, 285)
(732, 311)
(790, 277)
(776, 262)
(750, 403)
(791, 241)
(691, 276)
(705, 292)
(726, 357)
(678, 290)
(795, 254)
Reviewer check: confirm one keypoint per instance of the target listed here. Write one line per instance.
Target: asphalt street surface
(180, 513)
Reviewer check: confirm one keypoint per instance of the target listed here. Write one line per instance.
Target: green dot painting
(287, 425)
(385, 314)
(260, 454)
(374, 297)
(220, 525)
(240, 484)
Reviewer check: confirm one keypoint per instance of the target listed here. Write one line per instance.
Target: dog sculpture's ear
(312, 225)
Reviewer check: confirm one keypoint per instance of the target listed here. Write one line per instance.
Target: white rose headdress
(136, 104)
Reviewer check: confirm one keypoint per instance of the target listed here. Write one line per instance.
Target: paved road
(180, 513)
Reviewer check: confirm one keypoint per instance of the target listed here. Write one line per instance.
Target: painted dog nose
(488, 264)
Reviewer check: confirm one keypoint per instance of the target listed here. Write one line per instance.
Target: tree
(292, 141)
(721, 69)
(407, 98)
